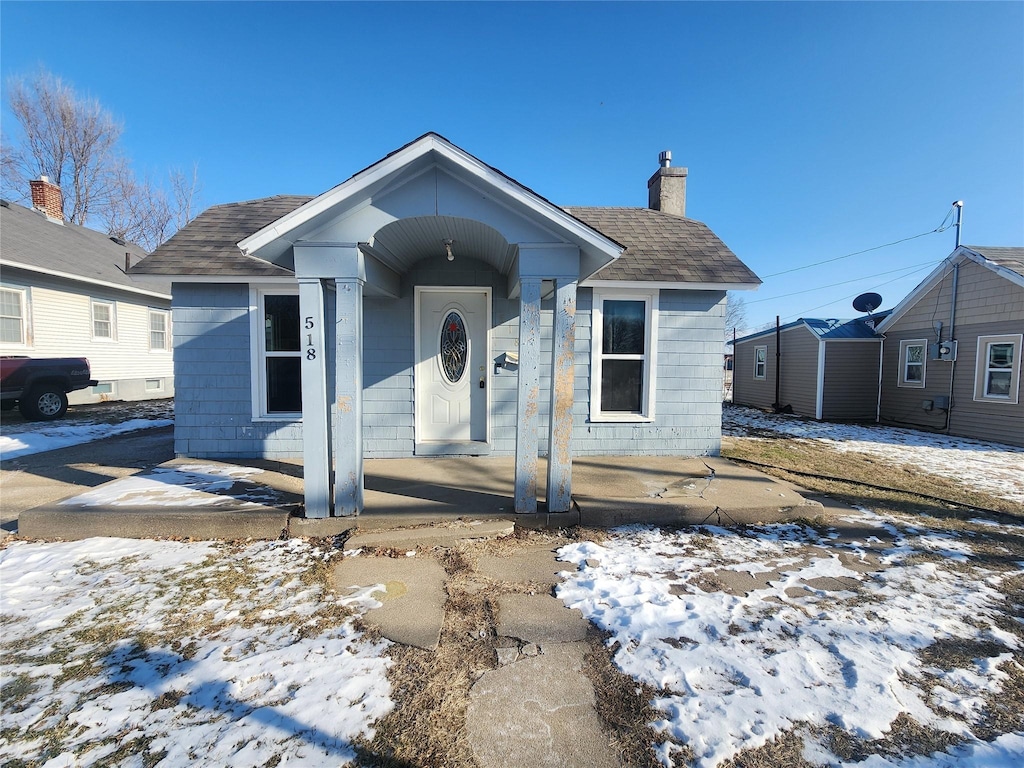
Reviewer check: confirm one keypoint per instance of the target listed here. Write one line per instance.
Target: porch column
(348, 434)
(526, 404)
(315, 413)
(563, 359)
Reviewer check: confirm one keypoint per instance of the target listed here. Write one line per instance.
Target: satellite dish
(867, 302)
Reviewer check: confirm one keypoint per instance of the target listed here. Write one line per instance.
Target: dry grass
(817, 458)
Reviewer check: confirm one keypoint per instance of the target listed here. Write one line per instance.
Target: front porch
(265, 500)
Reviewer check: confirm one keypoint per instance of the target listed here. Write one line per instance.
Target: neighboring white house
(431, 305)
(64, 292)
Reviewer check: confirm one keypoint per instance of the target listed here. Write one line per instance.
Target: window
(104, 388)
(278, 381)
(912, 363)
(622, 353)
(997, 376)
(760, 361)
(157, 329)
(13, 316)
(103, 323)
(154, 385)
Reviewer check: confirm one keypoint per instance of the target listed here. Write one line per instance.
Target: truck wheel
(44, 403)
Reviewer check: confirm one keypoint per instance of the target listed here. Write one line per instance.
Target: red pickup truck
(40, 386)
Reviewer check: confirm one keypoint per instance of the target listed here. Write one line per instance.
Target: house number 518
(310, 349)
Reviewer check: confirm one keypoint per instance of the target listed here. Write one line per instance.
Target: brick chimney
(46, 197)
(666, 189)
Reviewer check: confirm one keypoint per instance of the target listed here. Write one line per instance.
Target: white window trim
(93, 303)
(981, 368)
(26, 314)
(901, 380)
(167, 329)
(764, 363)
(650, 298)
(257, 351)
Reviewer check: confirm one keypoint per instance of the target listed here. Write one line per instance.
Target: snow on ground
(832, 635)
(83, 424)
(182, 485)
(118, 651)
(992, 468)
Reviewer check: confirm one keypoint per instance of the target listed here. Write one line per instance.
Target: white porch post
(348, 435)
(526, 405)
(563, 354)
(315, 413)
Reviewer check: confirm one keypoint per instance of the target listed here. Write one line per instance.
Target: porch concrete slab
(71, 524)
(534, 565)
(538, 713)
(198, 499)
(672, 490)
(540, 619)
(411, 592)
(440, 535)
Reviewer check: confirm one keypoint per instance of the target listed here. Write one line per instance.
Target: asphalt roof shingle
(27, 237)
(659, 246)
(1011, 258)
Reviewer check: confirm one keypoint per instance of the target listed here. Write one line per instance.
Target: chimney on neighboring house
(46, 197)
(666, 189)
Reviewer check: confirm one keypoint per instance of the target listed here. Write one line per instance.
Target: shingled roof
(208, 245)
(664, 248)
(1011, 258)
(660, 247)
(29, 240)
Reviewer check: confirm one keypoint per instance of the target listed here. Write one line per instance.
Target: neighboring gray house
(64, 293)
(827, 369)
(951, 356)
(431, 305)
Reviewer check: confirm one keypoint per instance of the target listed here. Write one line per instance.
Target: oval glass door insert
(454, 346)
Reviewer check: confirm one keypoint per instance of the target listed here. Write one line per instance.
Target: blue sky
(810, 130)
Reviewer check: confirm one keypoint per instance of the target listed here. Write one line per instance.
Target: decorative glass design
(454, 346)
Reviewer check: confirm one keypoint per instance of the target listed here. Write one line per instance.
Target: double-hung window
(622, 357)
(158, 330)
(104, 323)
(277, 390)
(912, 362)
(14, 316)
(760, 361)
(997, 375)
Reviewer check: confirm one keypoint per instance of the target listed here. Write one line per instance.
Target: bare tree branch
(75, 142)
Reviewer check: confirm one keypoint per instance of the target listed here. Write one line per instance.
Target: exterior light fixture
(448, 249)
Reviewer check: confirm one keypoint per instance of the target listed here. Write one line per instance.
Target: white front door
(451, 366)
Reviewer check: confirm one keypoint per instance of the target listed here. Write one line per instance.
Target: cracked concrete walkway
(536, 707)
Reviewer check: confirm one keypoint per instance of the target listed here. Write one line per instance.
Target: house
(951, 354)
(431, 305)
(821, 369)
(64, 292)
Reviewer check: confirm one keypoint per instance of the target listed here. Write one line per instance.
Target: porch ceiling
(404, 242)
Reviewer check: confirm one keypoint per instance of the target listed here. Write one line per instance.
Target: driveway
(48, 476)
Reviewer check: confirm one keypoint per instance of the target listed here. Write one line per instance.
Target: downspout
(778, 364)
(878, 403)
(952, 335)
(820, 398)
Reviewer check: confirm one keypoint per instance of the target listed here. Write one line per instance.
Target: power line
(941, 228)
(844, 298)
(843, 282)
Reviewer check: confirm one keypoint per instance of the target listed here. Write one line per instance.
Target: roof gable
(445, 180)
(1008, 263)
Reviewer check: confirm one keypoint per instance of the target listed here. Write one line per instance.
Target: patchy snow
(992, 468)
(49, 436)
(117, 650)
(816, 641)
(182, 485)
